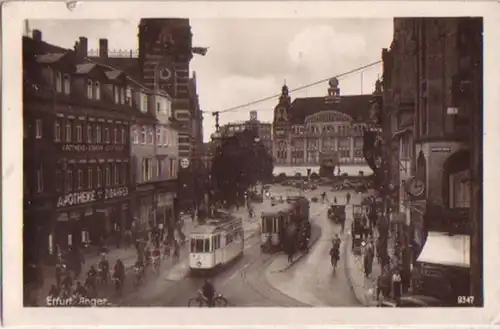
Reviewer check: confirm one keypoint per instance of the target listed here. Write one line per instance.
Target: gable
(328, 116)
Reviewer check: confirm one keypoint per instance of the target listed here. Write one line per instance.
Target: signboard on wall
(87, 197)
(82, 148)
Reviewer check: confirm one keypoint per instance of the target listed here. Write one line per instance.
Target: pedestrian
(335, 199)
(368, 260)
(348, 197)
(396, 285)
(383, 284)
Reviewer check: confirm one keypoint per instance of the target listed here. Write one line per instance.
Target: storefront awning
(443, 249)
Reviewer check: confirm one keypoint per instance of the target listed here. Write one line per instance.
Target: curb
(302, 254)
(348, 254)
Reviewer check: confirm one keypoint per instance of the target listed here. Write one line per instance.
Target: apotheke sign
(91, 148)
(81, 198)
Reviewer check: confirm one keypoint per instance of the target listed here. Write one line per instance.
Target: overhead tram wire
(231, 109)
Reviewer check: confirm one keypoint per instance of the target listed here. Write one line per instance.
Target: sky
(250, 59)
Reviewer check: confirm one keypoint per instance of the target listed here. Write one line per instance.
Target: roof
(85, 68)
(49, 58)
(356, 106)
(213, 224)
(130, 65)
(280, 207)
(114, 74)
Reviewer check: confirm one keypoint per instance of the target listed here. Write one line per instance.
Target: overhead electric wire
(361, 68)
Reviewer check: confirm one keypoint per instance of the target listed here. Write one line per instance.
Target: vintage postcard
(250, 163)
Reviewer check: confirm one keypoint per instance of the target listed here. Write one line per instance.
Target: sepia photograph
(339, 194)
(200, 163)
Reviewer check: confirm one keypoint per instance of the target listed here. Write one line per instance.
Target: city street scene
(175, 162)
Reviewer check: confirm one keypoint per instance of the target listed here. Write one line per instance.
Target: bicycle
(201, 301)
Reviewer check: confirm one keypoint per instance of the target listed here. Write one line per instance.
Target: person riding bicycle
(336, 241)
(90, 280)
(80, 289)
(119, 274)
(208, 292)
(104, 268)
(155, 256)
(323, 196)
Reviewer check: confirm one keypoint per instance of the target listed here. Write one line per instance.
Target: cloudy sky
(250, 59)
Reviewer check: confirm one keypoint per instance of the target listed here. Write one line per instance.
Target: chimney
(82, 48)
(103, 48)
(37, 35)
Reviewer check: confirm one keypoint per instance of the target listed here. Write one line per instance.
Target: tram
(216, 243)
(283, 222)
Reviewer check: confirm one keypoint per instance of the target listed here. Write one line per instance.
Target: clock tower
(165, 52)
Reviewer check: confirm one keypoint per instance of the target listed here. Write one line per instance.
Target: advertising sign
(86, 197)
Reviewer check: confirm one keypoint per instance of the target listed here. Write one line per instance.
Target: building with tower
(312, 132)
(165, 52)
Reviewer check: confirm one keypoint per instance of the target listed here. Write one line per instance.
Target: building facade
(77, 149)
(432, 97)
(263, 129)
(310, 129)
(154, 158)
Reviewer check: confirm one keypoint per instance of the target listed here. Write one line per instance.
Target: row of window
(74, 131)
(154, 169)
(94, 132)
(84, 177)
(144, 135)
(121, 95)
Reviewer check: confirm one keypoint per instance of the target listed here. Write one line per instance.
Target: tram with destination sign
(216, 243)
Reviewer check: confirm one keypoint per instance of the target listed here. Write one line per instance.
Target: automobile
(411, 301)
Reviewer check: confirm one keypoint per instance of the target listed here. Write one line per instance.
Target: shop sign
(441, 149)
(91, 148)
(164, 200)
(77, 198)
(111, 193)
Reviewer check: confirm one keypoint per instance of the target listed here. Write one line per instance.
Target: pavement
(364, 287)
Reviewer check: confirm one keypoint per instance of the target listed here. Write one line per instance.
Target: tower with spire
(281, 110)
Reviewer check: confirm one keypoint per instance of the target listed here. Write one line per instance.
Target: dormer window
(122, 95)
(97, 90)
(117, 94)
(58, 82)
(90, 89)
(67, 84)
(128, 97)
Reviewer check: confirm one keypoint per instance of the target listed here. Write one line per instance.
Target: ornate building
(311, 130)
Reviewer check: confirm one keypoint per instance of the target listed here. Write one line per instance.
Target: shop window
(89, 133)
(79, 133)
(68, 132)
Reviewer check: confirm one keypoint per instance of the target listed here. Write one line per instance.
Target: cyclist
(208, 292)
(104, 269)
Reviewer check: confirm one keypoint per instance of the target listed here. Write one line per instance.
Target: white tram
(216, 243)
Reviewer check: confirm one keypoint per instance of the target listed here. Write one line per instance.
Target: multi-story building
(76, 150)
(432, 93)
(262, 129)
(154, 160)
(164, 55)
(314, 128)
